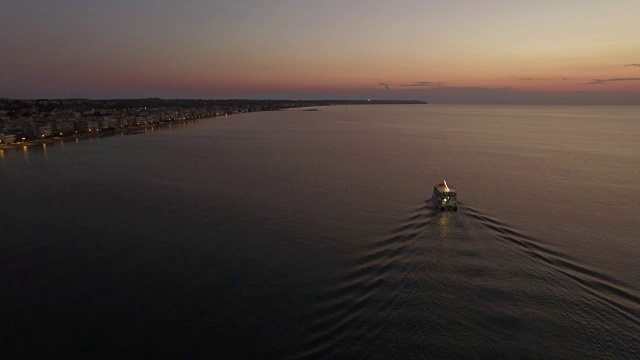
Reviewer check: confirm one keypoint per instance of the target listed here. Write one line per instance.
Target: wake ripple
(356, 295)
(610, 291)
(351, 311)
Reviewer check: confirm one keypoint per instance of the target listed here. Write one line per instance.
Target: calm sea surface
(298, 234)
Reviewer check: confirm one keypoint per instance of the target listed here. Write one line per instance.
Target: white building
(7, 139)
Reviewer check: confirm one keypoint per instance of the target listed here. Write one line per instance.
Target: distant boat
(445, 197)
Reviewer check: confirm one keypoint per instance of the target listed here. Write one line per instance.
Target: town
(30, 122)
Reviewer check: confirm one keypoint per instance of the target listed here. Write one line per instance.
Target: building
(7, 139)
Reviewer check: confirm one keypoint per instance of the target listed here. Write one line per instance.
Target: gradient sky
(573, 51)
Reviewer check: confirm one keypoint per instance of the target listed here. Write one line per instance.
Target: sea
(312, 235)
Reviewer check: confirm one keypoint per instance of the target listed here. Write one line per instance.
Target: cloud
(384, 84)
(541, 79)
(424, 84)
(506, 95)
(632, 65)
(604, 81)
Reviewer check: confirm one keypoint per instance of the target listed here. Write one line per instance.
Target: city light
(73, 116)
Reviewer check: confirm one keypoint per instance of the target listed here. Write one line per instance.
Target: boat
(445, 197)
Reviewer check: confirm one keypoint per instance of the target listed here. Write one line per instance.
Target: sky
(454, 51)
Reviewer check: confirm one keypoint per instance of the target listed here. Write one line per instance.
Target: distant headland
(37, 121)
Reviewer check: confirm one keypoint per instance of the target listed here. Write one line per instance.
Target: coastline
(129, 130)
(44, 113)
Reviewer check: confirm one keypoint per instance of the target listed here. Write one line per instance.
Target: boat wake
(440, 275)
(612, 293)
(364, 290)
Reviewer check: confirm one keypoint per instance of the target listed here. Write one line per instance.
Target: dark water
(310, 235)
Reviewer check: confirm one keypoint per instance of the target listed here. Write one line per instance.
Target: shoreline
(129, 130)
(312, 106)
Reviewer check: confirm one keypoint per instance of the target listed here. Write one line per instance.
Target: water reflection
(445, 222)
(44, 151)
(25, 152)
